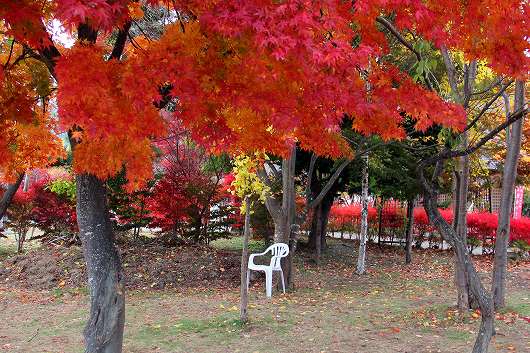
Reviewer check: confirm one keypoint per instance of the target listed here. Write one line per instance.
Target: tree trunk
(463, 295)
(464, 299)
(278, 229)
(320, 219)
(295, 231)
(288, 212)
(283, 213)
(312, 240)
(104, 330)
(21, 239)
(408, 231)
(456, 198)
(243, 316)
(380, 221)
(484, 299)
(327, 203)
(508, 185)
(361, 266)
(318, 233)
(7, 197)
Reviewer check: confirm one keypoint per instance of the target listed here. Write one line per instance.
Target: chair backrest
(278, 251)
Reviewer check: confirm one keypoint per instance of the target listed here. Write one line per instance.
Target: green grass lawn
(236, 244)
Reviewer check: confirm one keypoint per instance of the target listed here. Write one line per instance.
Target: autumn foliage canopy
(243, 76)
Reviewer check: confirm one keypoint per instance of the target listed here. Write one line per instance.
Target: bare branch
(329, 184)
(451, 71)
(447, 153)
(469, 82)
(271, 165)
(495, 82)
(487, 106)
(398, 36)
(10, 53)
(314, 203)
(262, 174)
(310, 172)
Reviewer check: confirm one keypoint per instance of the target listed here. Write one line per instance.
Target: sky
(59, 34)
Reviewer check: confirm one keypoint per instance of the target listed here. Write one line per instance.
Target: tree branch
(487, 106)
(495, 82)
(447, 153)
(271, 165)
(469, 82)
(7, 197)
(398, 36)
(403, 41)
(310, 172)
(451, 71)
(119, 45)
(314, 203)
(10, 53)
(262, 174)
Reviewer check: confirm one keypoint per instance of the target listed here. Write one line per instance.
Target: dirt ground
(392, 308)
(146, 266)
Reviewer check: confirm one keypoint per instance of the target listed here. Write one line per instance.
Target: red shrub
(481, 225)
(520, 229)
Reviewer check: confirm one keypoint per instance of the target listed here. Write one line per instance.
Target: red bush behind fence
(481, 225)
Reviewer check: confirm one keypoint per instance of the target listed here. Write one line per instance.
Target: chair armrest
(251, 259)
(252, 256)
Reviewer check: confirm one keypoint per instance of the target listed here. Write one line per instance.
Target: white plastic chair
(278, 251)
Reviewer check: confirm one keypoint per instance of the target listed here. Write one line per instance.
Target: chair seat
(255, 267)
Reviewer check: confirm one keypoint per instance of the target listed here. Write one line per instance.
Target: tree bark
(288, 213)
(361, 266)
(508, 185)
(312, 240)
(484, 299)
(318, 232)
(462, 177)
(283, 211)
(21, 238)
(408, 231)
(7, 197)
(104, 330)
(293, 242)
(380, 220)
(319, 223)
(456, 198)
(326, 210)
(243, 315)
(463, 302)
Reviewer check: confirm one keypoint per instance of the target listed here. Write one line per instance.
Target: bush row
(481, 225)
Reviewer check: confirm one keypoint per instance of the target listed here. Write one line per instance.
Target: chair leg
(268, 283)
(283, 281)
